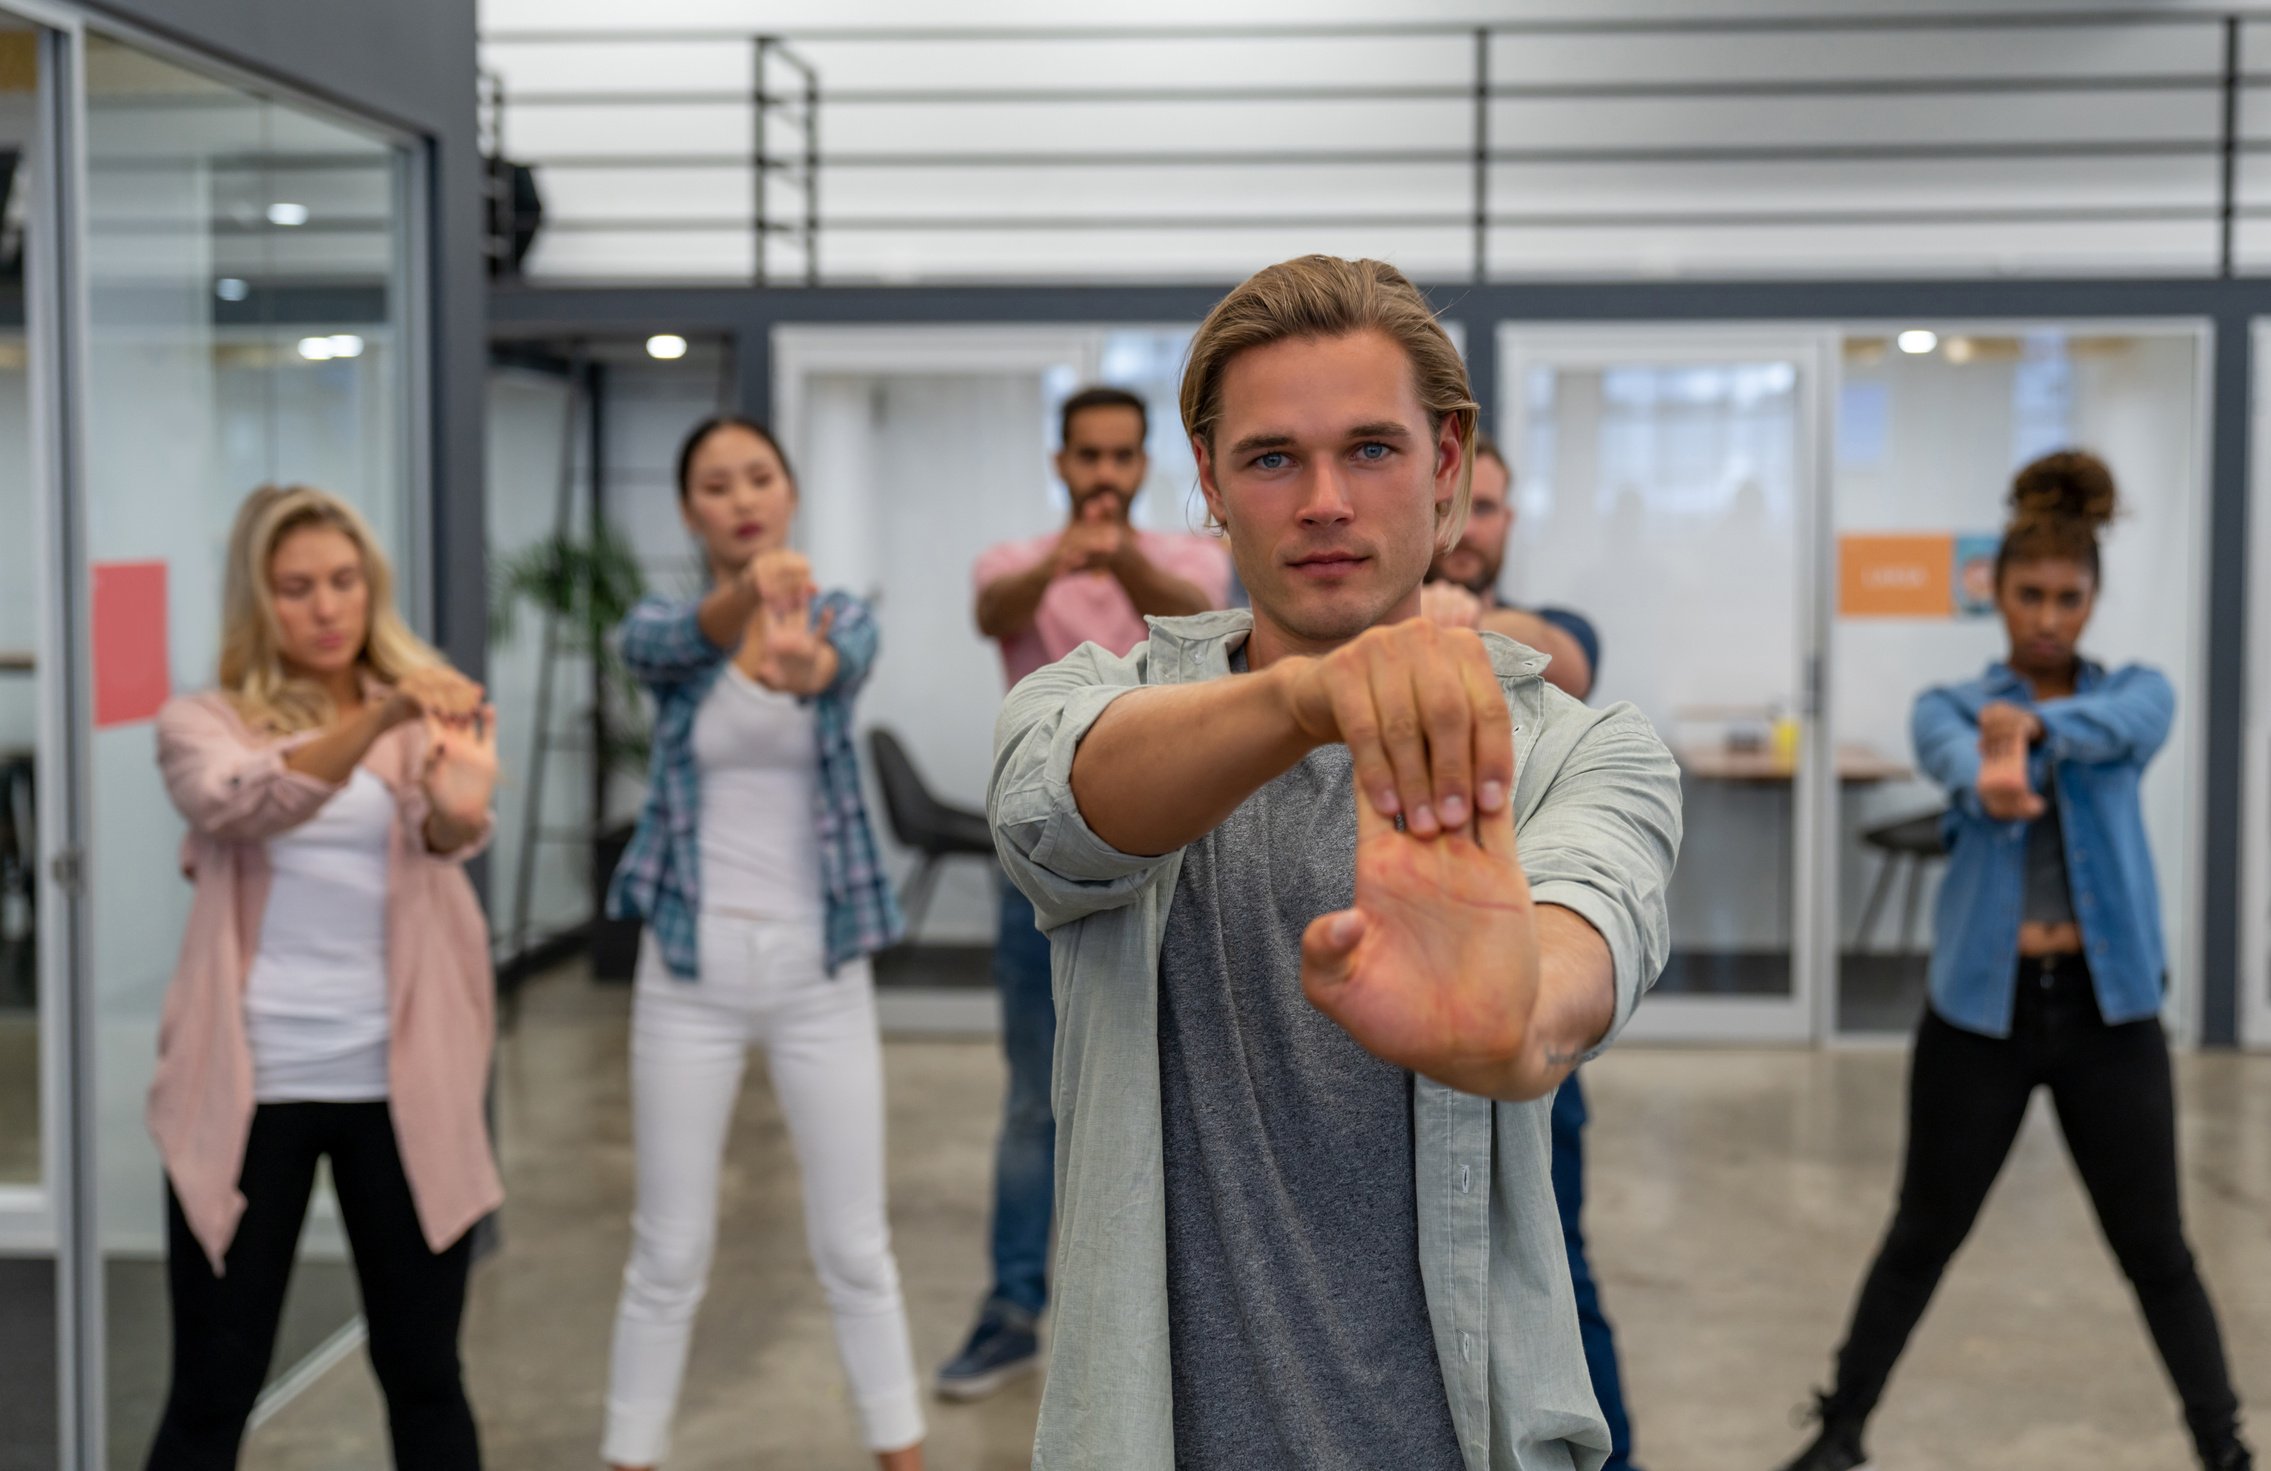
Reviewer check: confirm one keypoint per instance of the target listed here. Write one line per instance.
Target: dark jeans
(1966, 1097)
(1592, 1324)
(224, 1327)
(1025, 1157)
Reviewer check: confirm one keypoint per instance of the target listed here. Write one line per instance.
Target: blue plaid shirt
(660, 878)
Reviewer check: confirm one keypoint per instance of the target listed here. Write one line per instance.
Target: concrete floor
(1735, 1198)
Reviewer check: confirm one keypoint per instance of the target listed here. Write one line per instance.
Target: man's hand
(2006, 732)
(1436, 967)
(1450, 605)
(1097, 537)
(1421, 713)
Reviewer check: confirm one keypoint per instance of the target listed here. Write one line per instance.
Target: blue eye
(1365, 451)
(1272, 460)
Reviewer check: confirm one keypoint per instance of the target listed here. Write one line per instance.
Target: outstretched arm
(1418, 707)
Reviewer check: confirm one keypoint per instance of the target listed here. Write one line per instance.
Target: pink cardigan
(233, 787)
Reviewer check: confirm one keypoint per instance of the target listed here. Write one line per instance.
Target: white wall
(526, 426)
(907, 480)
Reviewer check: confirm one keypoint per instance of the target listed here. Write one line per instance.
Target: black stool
(1914, 841)
(919, 820)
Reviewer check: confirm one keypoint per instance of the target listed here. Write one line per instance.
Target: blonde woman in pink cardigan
(334, 996)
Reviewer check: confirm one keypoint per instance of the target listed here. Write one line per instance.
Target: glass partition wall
(1776, 616)
(246, 264)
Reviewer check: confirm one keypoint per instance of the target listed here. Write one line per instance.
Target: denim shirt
(660, 877)
(1597, 812)
(2090, 760)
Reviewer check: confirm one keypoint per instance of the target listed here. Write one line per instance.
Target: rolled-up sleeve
(662, 642)
(1046, 846)
(1602, 842)
(226, 787)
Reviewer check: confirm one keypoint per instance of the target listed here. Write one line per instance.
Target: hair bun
(2070, 486)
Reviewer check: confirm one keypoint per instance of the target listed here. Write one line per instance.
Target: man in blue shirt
(1462, 591)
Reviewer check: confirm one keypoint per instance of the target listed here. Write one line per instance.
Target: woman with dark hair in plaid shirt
(756, 871)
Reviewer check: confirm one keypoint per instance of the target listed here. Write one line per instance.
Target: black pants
(1966, 1097)
(224, 1327)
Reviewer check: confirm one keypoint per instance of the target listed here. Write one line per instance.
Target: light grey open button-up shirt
(1597, 818)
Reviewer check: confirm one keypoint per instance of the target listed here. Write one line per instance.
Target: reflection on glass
(1661, 501)
(1926, 445)
(243, 259)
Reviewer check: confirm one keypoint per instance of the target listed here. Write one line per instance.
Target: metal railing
(798, 103)
(2218, 74)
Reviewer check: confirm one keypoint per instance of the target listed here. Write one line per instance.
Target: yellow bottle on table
(1787, 733)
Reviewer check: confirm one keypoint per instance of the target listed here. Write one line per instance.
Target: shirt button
(1466, 1347)
(1466, 1178)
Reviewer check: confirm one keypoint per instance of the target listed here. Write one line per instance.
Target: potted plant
(583, 589)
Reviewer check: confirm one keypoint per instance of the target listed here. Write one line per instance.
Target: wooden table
(1856, 766)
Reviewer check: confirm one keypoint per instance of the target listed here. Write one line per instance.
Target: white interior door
(1669, 485)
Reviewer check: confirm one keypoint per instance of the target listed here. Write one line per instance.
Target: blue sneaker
(1004, 1346)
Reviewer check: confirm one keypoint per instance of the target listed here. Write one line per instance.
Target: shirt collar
(2002, 681)
(1206, 639)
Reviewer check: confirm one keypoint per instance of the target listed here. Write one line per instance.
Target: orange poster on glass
(1896, 576)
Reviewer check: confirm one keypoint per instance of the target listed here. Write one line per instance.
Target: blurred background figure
(334, 1001)
(1093, 581)
(756, 872)
(1463, 591)
(2047, 970)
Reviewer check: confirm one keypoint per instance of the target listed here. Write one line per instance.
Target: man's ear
(1207, 486)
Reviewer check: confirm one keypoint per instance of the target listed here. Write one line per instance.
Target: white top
(315, 1005)
(758, 754)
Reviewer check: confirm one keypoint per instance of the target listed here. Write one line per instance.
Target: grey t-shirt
(1297, 1322)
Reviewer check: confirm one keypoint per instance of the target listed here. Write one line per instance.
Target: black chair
(919, 820)
(1914, 841)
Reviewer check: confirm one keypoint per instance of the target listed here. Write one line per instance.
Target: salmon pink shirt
(1092, 607)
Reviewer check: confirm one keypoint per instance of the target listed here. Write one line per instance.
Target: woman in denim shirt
(756, 871)
(2047, 970)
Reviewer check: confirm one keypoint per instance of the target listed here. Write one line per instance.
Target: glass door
(1666, 485)
(245, 268)
(1934, 418)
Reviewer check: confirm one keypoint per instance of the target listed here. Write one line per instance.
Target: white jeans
(761, 982)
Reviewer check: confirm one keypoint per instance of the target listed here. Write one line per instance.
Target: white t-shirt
(758, 753)
(315, 1005)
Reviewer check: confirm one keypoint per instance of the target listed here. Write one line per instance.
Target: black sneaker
(1837, 1448)
(1004, 1346)
(2232, 1455)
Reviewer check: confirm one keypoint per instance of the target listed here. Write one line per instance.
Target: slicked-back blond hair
(252, 667)
(1323, 296)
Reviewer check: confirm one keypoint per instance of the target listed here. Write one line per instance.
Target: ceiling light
(231, 288)
(317, 349)
(284, 212)
(1961, 350)
(1917, 340)
(666, 346)
(346, 345)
